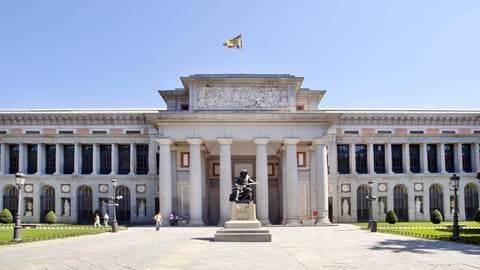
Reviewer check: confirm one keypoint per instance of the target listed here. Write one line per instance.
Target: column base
(323, 222)
(93, 173)
(292, 223)
(195, 223)
(112, 173)
(131, 173)
(55, 173)
(221, 223)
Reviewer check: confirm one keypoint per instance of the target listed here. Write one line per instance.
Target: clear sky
(117, 54)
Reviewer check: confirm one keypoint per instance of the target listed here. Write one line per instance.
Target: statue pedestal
(243, 226)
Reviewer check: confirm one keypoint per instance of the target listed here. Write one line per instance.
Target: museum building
(312, 165)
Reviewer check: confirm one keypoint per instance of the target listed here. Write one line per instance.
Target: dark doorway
(400, 202)
(47, 202)
(84, 205)
(123, 212)
(471, 201)
(363, 206)
(436, 199)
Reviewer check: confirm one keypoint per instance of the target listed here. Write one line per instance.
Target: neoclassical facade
(312, 165)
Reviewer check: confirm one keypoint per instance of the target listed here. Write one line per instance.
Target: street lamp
(17, 229)
(114, 204)
(455, 182)
(372, 224)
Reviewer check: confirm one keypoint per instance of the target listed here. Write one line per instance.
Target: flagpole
(242, 56)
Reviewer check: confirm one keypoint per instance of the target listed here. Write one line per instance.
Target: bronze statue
(242, 190)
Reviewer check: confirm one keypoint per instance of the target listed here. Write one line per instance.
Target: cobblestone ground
(336, 247)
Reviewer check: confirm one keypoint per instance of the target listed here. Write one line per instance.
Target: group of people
(96, 222)
(174, 219)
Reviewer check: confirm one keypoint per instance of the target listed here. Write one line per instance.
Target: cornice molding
(73, 119)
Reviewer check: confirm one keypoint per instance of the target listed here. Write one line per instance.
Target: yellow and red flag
(235, 43)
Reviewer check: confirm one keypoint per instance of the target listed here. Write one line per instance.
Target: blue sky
(117, 54)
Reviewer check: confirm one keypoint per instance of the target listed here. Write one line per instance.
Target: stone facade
(313, 165)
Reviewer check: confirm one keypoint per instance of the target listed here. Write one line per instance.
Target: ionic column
(165, 176)
(152, 157)
(476, 156)
(40, 159)
(459, 157)
(406, 158)
(351, 160)
(21, 157)
(195, 174)
(132, 159)
(3, 155)
(114, 160)
(77, 157)
(95, 158)
(370, 159)
(291, 181)
(389, 158)
(58, 154)
(442, 158)
(225, 178)
(424, 158)
(262, 180)
(322, 181)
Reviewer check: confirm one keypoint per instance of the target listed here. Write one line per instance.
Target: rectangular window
(65, 132)
(184, 159)
(301, 159)
(13, 160)
(350, 132)
(449, 158)
(384, 132)
(123, 159)
(343, 158)
(432, 158)
(32, 132)
(397, 158)
(379, 158)
(133, 132)
(105, 159)
(414, 158)
(50, 150)
(5, 132)
(448, 131)
(99, 132)
(300, 107)
(474, 132)
(361, 158)
(142, 158)
(31, 159)
(87, 159)
(68, 158)
(157, 158)
(184, 107)
(467, 157)
(416, 132)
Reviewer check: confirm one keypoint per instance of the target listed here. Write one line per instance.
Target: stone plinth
(243, 226)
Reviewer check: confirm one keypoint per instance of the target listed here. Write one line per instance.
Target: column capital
(291, 140)
(225, 140)
(194, 141)
(164, 141)
(261, 140)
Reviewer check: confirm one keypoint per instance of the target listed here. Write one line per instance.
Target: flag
(235, 42)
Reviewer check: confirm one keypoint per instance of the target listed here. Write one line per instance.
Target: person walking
(158, 220)
(97, 221)
(105, 219)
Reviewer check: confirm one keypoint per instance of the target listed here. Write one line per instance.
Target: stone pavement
(336, 247)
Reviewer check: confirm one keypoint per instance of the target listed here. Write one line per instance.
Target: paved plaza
(335, 247)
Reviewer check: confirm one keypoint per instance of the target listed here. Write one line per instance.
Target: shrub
(51, 217)
(436, 217)
(477, 215)
(391, 217)
(6, 216)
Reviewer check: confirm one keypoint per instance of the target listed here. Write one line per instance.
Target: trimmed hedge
(391, 217)
(6, 216)
(436, 217)
(51, 218)
(477, 215)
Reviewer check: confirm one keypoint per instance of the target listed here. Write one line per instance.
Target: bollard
(373, 226)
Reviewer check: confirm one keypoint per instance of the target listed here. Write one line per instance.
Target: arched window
(363, 207)
(47, 202)
(471, 201)
(10, 199)
(123, 211)
(400, 202)
(84, 205)
(436, 199)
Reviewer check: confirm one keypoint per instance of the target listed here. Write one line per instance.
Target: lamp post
(114, 203)
(454, 182)
(372, 224)
(17, 229)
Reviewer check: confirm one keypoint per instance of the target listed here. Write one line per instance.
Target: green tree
(391, 217)
(51, 217)
(6, 216)
(436, 217)
(477, 215)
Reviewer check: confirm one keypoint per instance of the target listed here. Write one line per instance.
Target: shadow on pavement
(209, 239)
(425, 246)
